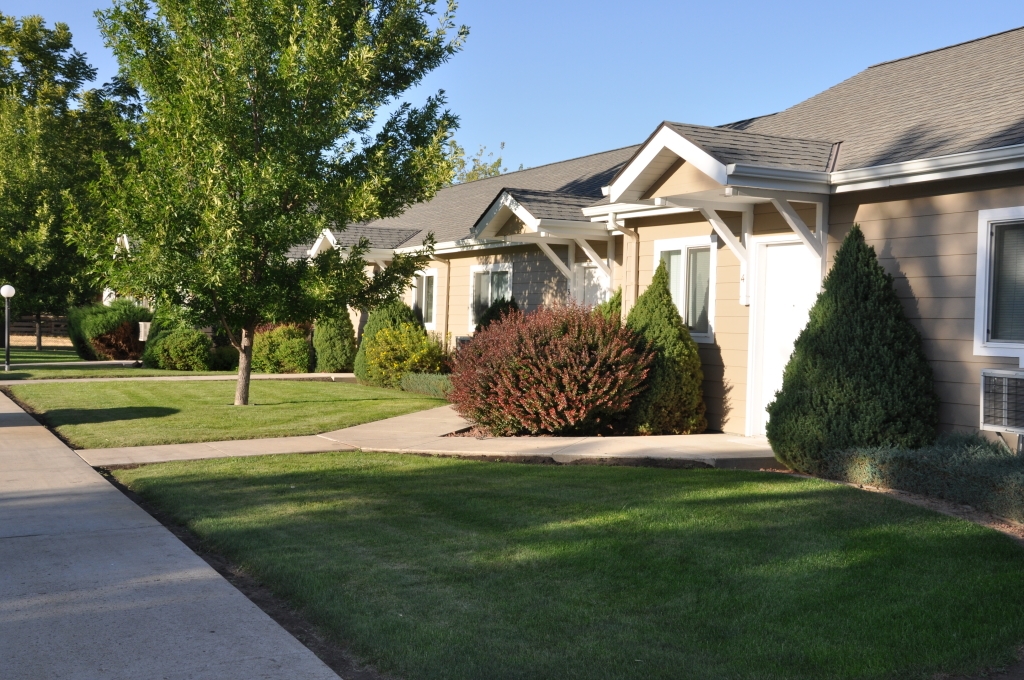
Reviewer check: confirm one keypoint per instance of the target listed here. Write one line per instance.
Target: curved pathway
(93, 587)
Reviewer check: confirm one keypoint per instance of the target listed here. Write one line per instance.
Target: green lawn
(447, 568)
(108, 414)
(26, 355)
(49, 372)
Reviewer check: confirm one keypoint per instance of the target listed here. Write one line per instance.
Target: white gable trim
(634, 180)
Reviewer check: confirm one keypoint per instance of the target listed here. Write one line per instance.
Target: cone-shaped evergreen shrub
(674, 401)
(611, 308)
(390, 315)
(334, 340)
(499, 308)
(858, 376)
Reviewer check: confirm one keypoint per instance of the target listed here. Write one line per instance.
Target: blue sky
(555, 79)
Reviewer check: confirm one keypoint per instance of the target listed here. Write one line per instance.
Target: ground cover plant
(858, 376)
(138, 413)
(963, 468)
(559, 370)
(433, 384)
(446, 568)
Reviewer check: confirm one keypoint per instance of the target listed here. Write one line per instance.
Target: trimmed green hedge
(431, 384)
(282, 350)
(107, 331)
(334, 341)
(961, 468)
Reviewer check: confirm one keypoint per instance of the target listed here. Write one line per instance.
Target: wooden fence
(53, 326)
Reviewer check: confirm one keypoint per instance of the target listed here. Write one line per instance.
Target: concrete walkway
(323, 377)
(93, 587)
(424, 432)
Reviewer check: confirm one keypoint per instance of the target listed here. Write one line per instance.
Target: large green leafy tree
(260, 129)
(50, 128)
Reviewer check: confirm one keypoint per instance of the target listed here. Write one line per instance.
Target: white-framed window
(692, 263)
(590, 285)
(424, 297)
(488, 283)
(999, 292)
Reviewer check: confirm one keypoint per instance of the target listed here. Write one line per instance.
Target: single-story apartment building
(926, 153)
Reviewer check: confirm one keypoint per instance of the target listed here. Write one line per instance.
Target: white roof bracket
(582, 243)
(557, 261)
(723, 230)
(796, 224)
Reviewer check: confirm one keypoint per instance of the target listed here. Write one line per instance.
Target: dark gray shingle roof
(453, 212)
(733, 146)
(552, 205)
(379, 237)
(965, 97)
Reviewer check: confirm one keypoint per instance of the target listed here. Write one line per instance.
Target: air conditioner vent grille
(1002, 401)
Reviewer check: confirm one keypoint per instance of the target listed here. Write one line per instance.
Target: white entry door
(788, 280)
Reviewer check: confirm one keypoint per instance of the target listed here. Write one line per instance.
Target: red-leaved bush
(561, 370)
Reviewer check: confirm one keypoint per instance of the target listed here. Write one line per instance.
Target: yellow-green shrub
(393, 352)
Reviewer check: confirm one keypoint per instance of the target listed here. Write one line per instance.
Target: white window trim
(682, 244)
(476, 269)
(987, 220)
(432, 326)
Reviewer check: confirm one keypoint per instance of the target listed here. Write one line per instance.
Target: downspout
(630, 264)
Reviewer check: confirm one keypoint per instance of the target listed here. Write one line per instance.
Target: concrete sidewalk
(424, 433)
(313, 377)
(93, 587)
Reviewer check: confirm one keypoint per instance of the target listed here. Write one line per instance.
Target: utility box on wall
(1002, 401)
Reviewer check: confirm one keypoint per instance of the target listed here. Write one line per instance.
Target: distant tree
(479, 166)
(49, 130)
(256, 135)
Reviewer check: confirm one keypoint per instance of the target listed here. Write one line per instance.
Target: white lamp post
(8, 293)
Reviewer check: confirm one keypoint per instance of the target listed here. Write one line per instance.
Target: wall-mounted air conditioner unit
(1002, 401)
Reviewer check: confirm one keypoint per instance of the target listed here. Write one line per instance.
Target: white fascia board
(489, 223)
(929, 169)
(619, 208)
(460, 246)
(783, 179)
(666, 138)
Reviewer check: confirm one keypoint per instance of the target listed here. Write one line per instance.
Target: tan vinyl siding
(927, 239)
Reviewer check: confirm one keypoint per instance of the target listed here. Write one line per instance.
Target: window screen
(1007, 314)
(488, 287)
(698, 285)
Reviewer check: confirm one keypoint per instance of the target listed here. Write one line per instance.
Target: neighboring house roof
(733, 146)
(552, 205)
(961, 98)
(379, 237)
(451, 214)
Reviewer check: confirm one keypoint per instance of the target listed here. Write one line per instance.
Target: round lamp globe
(7, 291)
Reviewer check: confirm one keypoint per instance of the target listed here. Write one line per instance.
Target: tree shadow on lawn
(76, 416)
(688, 570)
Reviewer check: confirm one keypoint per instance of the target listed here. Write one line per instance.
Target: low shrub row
(104, 332)
(431, 384)
(962, 468)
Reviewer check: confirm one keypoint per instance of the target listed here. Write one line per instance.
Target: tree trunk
(39, 332)
(244, 368)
